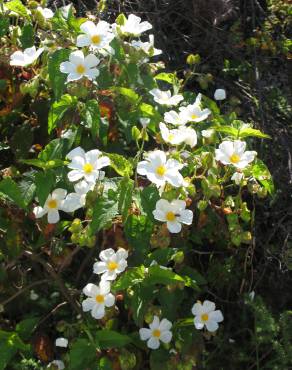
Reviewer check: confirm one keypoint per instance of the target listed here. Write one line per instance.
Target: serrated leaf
(44, 185)
(17, 7)
(149, 197)
(263, 175)
(4, 26)
(103, 212)
(82, 354)
(111, 339)
(92, 118)
(27, 188)
(167, 77)
(58, 109)
(126, 187)
(27, 36)
(26, 327)
(158, 275)
(128, 93)
(57, 78)
(10, 189)
(131, 277)
(120, 164)
(248, 131)
(226, 130)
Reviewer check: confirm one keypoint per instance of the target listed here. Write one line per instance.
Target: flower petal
(76, 152)
(59, 194)
(212, 326)
(197, 309)
(39, 212)
(166, 336)
(99, 267)
(208, 306)
(165, 325)
(77, 57)
(216, 316)
(106, 254)
(145, 333)
(109, 300)
(174, 227)
(98, 311)
(53, 216)
(153, 343)
(91, 290)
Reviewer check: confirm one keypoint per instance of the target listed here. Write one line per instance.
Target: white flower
(165, 98)
(189, 135)
(208, 133)
(61, 342)
(233, 152)
(97, 36)
(99, 298)
(33, 295)
(205, 315)
(57, 363)
(86, 165)
(111, 264)
(45, 12)
(65, 10)
(25, 58)
(158, 331)
(77, 200)
(173, 213)
(144, 121)
(220, 94)
(193, 112)
(174, 137)
(147, 47)
(53, 204)
(252, 295)
(133, 26)
(237, 177)
(159, 170)
(79, 66)
(174, 118)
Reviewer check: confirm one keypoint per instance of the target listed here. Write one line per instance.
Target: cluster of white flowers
(99, 296)
(85, 166)
(160, 331)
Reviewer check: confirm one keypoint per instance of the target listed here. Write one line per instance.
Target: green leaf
(10, 189)
(111, 339)
(10, 343)
(27, 188)
(142, 296)
(44, 184)
(128, 93)
(133, 276)
(263, 175)
(57, 78)
(248, 131)
(17, 7)
(27, 36)
(158, 275)
(167, 77)
(4, 25)
(120, 164)
(26, 327)
(226, 130)
(149, 197)
(58, 109)
(56, 149)
(158, 359)
(91, 115)
(103, 212)
(82, 354)
(126, 188)
(42, 164)
(138, 230)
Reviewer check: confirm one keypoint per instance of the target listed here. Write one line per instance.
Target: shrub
(110, 158)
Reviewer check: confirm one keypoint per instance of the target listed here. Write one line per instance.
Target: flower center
(234, 158)
(88, 168)
(96, 39)
(99, 298)
(170, 216)
(156, 333)
(112, 266)
(194, 116)
(52, 204)
(160, 170)
(205, 317)
(80, 69)
(170, 137)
